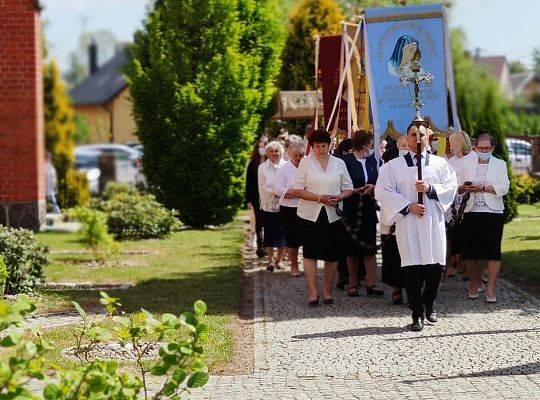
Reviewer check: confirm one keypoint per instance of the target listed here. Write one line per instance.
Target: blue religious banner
(402, 41)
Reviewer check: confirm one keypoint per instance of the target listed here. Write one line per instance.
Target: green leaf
(12, 339)
(159, 370)
(198, 379)
(199, 365)
(202, 331)
(169, 318)
(179, 375)
(51, 392)
(97, 384)
(79, 309)
(170, 388)
(198, 349)
(189, 319)
(200, 308)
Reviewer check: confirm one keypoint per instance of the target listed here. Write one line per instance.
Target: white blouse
(267, 179)
(285, 179)
(314, 179)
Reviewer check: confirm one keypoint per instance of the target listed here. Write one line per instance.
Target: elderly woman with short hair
(285, 179)
(321, 184)
(274, 242)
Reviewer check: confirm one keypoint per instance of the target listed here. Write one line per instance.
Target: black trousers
(426, 277)
(258, 225)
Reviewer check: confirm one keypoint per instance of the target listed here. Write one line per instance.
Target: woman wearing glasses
(487, 182)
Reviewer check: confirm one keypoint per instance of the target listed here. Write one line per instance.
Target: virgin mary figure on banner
(406, 51)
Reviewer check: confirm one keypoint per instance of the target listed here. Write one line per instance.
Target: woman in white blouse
(288, 202)
(322, 182)
(487, 182)
(274, 242)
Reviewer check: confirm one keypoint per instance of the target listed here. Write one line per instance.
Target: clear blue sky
(497, 27)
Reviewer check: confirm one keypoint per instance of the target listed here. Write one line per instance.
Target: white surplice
(421, 240)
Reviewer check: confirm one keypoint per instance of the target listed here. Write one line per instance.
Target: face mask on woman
(435, 146)
(403, 152)
(371, 152)
(262, 151)
(484, 156)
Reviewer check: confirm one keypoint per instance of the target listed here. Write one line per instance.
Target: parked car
(87, 161)
(520, 155)
(128, 161)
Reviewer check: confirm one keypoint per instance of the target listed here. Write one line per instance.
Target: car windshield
(86, 161)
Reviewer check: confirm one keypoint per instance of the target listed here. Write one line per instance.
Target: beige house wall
(99, 120)
(124, 127)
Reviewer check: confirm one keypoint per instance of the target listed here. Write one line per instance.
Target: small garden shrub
(134, 216)
(528, 189)
(4, 275)
(24, 258)
(94, 229)
(114, 188)
(179, 367)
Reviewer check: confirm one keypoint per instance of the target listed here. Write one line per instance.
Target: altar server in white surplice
(420, 229)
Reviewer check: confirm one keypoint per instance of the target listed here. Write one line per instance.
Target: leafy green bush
(196, 101)
(93, 229)
(24, 259)
(527, 189)
(180, 364)
(4, 274)
(114, 188)
(135, 216)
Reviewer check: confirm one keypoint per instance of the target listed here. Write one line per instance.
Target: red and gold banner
(330, 66)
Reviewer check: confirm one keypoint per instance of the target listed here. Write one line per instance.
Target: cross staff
(418, 75)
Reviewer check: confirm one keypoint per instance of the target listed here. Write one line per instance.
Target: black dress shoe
(417, 325)
(373, 291)
(431, 316)
(328, 300)
(313, 303)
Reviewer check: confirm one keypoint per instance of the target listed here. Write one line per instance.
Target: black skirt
(289, 222)
(360, 217)
(481, 235)
(392, 272)
(454, 238)
(323, 240)
(273, 234)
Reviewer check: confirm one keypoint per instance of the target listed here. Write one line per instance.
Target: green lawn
(521, 248)
(176, 271)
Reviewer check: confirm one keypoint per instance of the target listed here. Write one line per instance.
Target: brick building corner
(22, 183)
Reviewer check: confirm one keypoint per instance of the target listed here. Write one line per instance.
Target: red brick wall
(21, 103)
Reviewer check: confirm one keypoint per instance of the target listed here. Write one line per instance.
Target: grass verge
(168, 276)
(521, 248)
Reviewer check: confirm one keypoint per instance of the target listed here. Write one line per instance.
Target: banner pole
(341, 80)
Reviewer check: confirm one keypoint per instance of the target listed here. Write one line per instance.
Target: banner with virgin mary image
(399, 42)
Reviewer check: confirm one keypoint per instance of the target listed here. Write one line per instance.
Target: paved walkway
(361, 348)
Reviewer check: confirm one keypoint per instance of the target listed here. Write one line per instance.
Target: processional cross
(418, 75)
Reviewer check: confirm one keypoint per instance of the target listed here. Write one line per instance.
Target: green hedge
(527, 189)
(24, 259)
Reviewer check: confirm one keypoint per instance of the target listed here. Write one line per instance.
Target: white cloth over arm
(386, 192)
